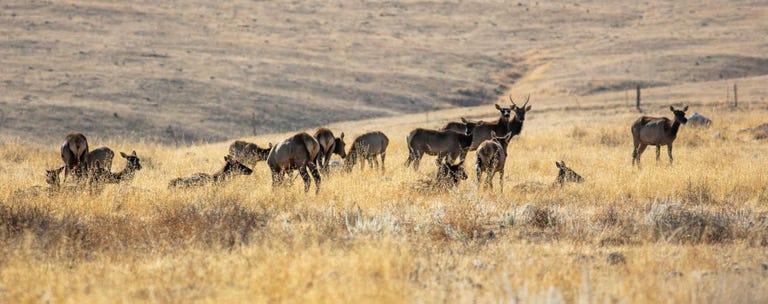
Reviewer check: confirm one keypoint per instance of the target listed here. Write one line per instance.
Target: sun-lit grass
(696, 231)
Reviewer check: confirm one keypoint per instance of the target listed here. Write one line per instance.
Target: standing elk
(491, 158)
(329, 144)
(565, 175)
(465, 126)
(516, 124)
(231, 168)
(656, 131)
(367, 147)
(73, 152)
(449, 144)
(297, 152)
(248, 153)
(102, 174)
(483, 129)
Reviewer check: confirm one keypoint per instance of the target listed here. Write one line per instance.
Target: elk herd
(311, 154)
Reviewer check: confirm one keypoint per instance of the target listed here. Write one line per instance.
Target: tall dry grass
(693, 232)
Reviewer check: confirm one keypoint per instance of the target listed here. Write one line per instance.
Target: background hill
(210, 71)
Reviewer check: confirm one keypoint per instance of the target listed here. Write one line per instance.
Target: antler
(527, 99)
(512, 101)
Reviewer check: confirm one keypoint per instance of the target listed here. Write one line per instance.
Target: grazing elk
(465, 126)
(329, 144)
(99, 158)
(231, 168)
(73, 152)
(491, 158)
(367, 147)
(566, 174)
(656, 131)
(102, 174)
(698, 120)
(452, 144)
(248, 153)
(297, 152)
(450, 175)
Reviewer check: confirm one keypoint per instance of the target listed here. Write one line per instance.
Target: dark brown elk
(483, 129)
(102, 174)
(231, 168)
(73, 152)
(465, 126)
(450, 144)
(450, 175)
(657, 131)
(248, 153)
(297, 152)
(99, 158)
(367, 147)
(491, 158)
(329, 144)
(516, 124)
(566, 175)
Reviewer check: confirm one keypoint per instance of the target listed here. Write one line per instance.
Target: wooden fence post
(735, 96)
(637, 102)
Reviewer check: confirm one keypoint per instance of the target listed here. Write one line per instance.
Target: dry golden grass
(693, 232)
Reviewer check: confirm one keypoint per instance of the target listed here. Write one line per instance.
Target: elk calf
(99, 158)
(73, 152)
(296, 152)
(566, 174)
(367, 147)
(329, 144)
(491, 158)
(657, 131)
(231, 168)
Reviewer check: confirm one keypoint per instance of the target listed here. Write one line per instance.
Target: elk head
(470, 125)
(520, 111)
(340, 146)
(679, 114)
(567, 174)
(505, 112)
(134, 163)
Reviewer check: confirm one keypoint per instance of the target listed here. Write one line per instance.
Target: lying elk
(73, 152)
(450, 174)
(248, 153)
(656, 131)
(99, 158)
(465, 126)
(566, 175)
(449, 144)
(491, 158)
(329, 144)
(367, 147)
(231, 168)
(102, 174)
(296, 152)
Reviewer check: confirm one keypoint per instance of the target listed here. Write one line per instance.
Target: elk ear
(342, 135)
(557, 164)
(528, 108)
(123, 155)
(685, 109)
(133, 153)
(228, 159)
(671, 108)
(464, 120)
(270, 145)
(498, 107)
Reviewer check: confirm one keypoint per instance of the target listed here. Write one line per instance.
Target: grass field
(693, 232)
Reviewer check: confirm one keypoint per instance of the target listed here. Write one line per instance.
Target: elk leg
(383, 156)
(305, 177)
(489, 179)
(375, 160)
(640, 150)
(316, 176)
(501, 180)
(669, 151)
(478, 173)
(276, 179)
(658, 153)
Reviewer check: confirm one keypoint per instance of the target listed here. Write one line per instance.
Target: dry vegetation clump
(625, 233)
